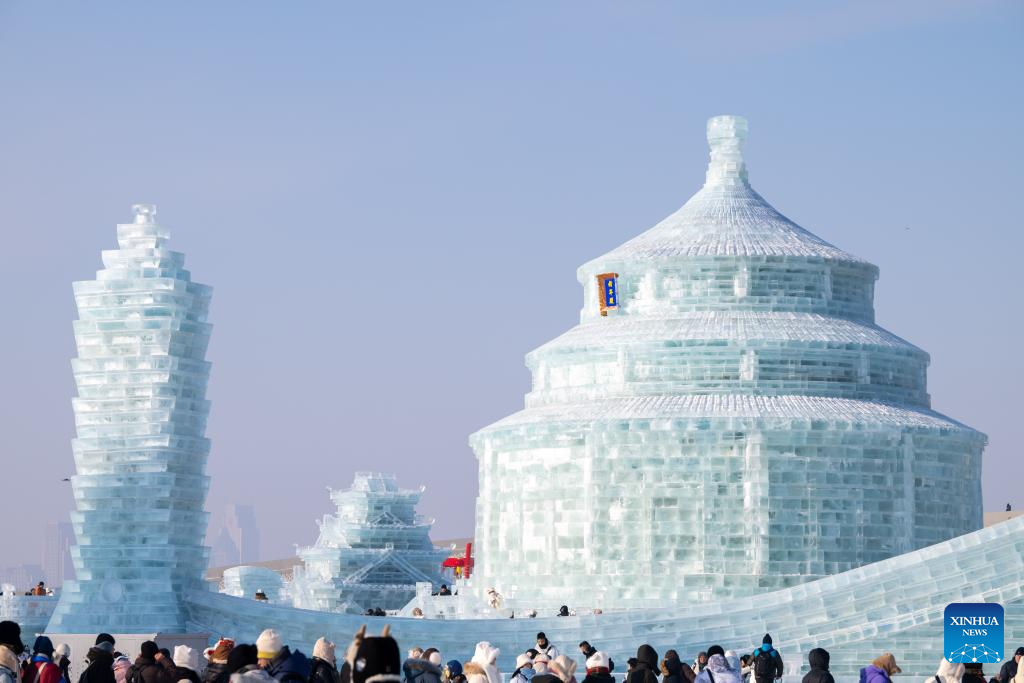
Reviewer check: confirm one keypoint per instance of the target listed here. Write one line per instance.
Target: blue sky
(391, 199)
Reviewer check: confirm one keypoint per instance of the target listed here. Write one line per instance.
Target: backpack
(765, 666)
(135, 673)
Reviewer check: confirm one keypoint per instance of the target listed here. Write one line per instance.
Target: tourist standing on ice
(420, 669)
(486, 656)
(672, 669)
(41, 669)
(544, 647)
(100, 667)
(1009, 669)
(700, 662)
(11, 648)
(146, 669)
(598, 668)
(323, 666)
(524, 669)
(948, 672)
(881, 670)
(705, 676)
(818, 658)
(279, 661)
(767, 662)
(646, 669)
(542, 672)
(184, 666)
(588, 651)
(62, 658)
(217, 669)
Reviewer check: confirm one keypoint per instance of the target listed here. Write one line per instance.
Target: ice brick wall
(140, 452)
(891, 606)
(737, 424)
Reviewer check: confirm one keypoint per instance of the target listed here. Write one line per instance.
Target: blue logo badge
(973, 632)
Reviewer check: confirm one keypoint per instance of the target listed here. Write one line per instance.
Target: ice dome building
(726, 419)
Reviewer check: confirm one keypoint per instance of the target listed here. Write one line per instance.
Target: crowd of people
(376, 659)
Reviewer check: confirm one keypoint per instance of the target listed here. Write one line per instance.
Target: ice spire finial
(144, 213)
(726, 135)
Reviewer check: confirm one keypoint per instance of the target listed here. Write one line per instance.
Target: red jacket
(40, 670)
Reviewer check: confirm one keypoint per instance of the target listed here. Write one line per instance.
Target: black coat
(321, 671)
(818, 658)
(600, 677)
(216, 673)
(145, 670)
(174, 673)
(100, 669)
(646, 669)
(1008, 671)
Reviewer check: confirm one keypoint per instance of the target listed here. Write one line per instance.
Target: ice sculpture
(733, 422)
(371, 553)
(140, 455)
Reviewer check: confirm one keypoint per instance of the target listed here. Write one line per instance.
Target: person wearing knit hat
(767, 662)
(433, 655)
(145, 669)
(278, 660)
(10, 636)
(524, 669)
(62, 658)
(184, 665)
(453, 672)
(324, 665)
(105, 638)
(217, 670)
(243, 664)
(597, 668)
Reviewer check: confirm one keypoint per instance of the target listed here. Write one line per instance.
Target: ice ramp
(891, 606)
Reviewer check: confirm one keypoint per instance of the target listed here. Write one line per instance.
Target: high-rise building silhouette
(237, 540)
(57, 564)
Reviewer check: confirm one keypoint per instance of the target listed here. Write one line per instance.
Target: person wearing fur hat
(374, 659)
(40, 668)
(881, 670)
(565, 668)
(279, 661)
(184, 666)
(524, 669)
(217, 668)
(243, 666)
(323, 667)
(487, 657)
(453, 672)
(598, 669)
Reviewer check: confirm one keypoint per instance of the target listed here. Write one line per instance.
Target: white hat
(186, 657)
(324, 649)
(268, 644)
(64, 650)
(523, 660)
(435, 658)
(598, 660)
(542, 658)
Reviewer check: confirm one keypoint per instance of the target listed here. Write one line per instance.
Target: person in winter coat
(524, 669)
(974, 672)
(421, 670)
(588, 650)
(184, 666)
(700, 662)
(453, 672)
(243, 666)
(818, 659)
(881, 670)
(487, 656)
(598, 668)
(545, 647)
(719, 671)
(646, 669)
(62, 658)
(565, 668)
(543, 672)
(40, 668)
(948, 673)
(279, 661)
(705, 676)
(122, 665)
(217, 669)
(323, 667)
(1009, 670)
(100, 667)
(672, 668)
(11, 648)
(767, 664)
(746, 667)
(146, 669)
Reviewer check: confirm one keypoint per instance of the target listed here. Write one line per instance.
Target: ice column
(140, 455)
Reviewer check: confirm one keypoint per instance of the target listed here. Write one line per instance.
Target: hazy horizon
(391, 206)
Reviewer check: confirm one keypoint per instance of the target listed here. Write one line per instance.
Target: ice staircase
(895, 605)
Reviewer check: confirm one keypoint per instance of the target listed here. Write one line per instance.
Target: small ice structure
(245, 581)
(371, 554)
(727, 419)
(141, 452)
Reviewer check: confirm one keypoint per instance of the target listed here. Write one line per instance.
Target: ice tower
(726, 420)
(140, 455)
(372, 553)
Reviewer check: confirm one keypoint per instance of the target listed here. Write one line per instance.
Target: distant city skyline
(391, 208)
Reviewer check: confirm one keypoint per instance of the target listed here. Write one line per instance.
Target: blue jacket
(289, 667)
(873, 674)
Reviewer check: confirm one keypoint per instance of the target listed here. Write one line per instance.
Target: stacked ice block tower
(726, 420)
(140, 455)
(372, 553)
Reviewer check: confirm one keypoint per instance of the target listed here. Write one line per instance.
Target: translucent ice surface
(737, 423)
(371, 553)
(140, 454)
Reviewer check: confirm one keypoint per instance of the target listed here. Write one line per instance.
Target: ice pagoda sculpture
(140, 455)
(727, 419)
(372, 553)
